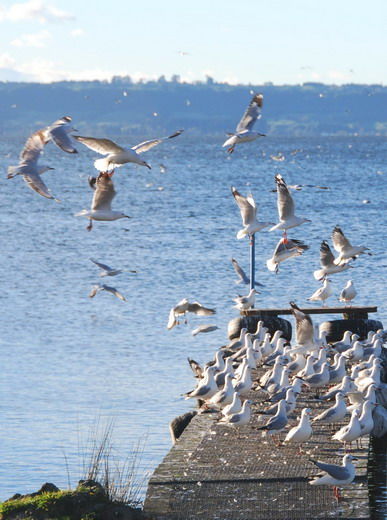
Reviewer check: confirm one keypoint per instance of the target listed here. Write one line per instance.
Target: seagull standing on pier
(348, 293)
(246, 302)
(334, 475)
(243, 132)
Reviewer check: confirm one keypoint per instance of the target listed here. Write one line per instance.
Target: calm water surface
(68, 361)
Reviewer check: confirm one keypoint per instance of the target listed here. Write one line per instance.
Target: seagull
(238, 419)
(101, 287)
(302, 431)
(243, 278)
(278, 422)
(206, 387)
(328, 262)
(234, 407)
(109, 271)
(286, 248)
(116, 156)
(285, 205)
(101, 206)
(304, 327)
(204, 328)
(184, 306)
(243, 132)
(345, 248)
(28, 164)
(334, 475)
(248, 209)
(246, 302)
(348, 293)
(335, 413)
(58, 133)
(323, 293)
(350, 432)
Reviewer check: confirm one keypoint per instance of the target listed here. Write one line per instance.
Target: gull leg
(90, 226)
(231, 149)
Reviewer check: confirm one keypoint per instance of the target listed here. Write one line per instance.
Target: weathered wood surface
(215, 473)
(354, 310)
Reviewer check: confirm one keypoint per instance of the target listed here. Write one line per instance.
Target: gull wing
(247, 209)
(34, 147)
(147, 145)
(240, 272)
(335, 471)
(34, 181)
(304, 325)
(114, 291)
(198, 308)
(253, 112)
(104, 193)
(285, 203)
(203, 328)
(326, 255)
(102, 146)
(340, 242)
(58, 132)
(101, 266)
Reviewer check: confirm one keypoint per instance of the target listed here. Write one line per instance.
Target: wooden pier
(216, 473)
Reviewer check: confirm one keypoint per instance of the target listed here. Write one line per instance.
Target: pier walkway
(214, 472)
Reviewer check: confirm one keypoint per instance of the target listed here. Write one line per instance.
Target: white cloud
(77, 32)
(34, 10)
(32, 40)
(6, 61)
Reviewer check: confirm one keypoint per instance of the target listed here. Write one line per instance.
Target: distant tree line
(125, 107)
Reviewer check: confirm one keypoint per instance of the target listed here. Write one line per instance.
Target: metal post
(252, 261)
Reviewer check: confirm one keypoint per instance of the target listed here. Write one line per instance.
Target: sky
(248, 41)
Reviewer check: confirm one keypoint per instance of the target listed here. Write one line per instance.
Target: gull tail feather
(103, 165)
(12, 171)
(271, 265)
(319, 274)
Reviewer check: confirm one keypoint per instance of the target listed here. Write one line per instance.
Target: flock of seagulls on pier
(262, 380)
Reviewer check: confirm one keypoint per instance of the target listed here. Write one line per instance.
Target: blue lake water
(68, 361)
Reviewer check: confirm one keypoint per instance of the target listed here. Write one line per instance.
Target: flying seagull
(116, 155)
(304, 327)
(58, 133)
(28, 164)
(328, 263)
(285, 205)
(345, 248)
(286, 248)
(184, 306)
(109, 271)
(243, 132)
(101, 206)
(243, 278)
(204, 328)
(248, 209)
(101, 287)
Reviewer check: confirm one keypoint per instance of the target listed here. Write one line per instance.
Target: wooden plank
(311, 310)
(214, 472)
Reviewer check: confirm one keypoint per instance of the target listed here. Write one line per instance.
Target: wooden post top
(361, 310)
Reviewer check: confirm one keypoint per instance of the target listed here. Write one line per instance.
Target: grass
(119, 478)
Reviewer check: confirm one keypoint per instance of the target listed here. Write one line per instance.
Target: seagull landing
(345, 248)
(248, 209)
(243, 132)
(285, 205)
(101, 205)
(286, 248)
(116, 155)
(328, 263)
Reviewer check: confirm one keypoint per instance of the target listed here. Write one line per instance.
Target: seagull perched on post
(248, 209)
(345, 248)
(348, 293)
(285, 205)
(243, 132)
(117, 155)
(246, 302)
(101, 206)
(322, 293)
